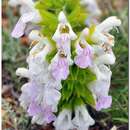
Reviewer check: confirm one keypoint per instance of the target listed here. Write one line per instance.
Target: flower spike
(68, 65)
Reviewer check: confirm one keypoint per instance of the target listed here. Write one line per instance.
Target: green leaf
(77, 17)
(66, 93)
(49, 20)
(123, 120)
(74, 89)
(88, 97)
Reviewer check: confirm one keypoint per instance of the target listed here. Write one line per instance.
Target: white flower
(37, 61)
(52, 83)
(38, 119)
(35, 72)
(41, 115)
(29, 93)
(26, 5)
(59, 66)
(37, 64)
(51, 98)
(102, 56)
(100, 88)
(63, 36)
(84, 51)
(22, 72)
(108, 24)
(63, 28)
(94, 68)
(82, 119)
(63, 121)
(91, 6)
(24, 101)
(48, 95)
(28, 14)
(37, 67)
(41, 83)
(108, 59)
(101, 34)
(42, 47)
(41, 94)
(35, 35)
(21, 25)
(33, 17)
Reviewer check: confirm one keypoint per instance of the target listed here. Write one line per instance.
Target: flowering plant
(68, 64)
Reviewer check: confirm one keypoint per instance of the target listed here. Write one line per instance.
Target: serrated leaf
(75, 89)
(66, 94)
(88, 97)
(49, 19)
(78, 16)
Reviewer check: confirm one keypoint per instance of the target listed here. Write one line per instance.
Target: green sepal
(89, 36)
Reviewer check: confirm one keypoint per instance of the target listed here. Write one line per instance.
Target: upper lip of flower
(108, 24)
(63, 28)
(101, 34)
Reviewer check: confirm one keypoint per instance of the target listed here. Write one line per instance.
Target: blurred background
(14, 55)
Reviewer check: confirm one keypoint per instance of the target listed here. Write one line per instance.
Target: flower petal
(84, 57)
(19, 28)
(103, 103)
(34, 109)
(59, 68)
(23, 72)
(82, 119)
(108, 24)
(63, 121)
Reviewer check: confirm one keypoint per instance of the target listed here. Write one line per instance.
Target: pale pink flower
(84, 56)
(103, 103)
(60, 67)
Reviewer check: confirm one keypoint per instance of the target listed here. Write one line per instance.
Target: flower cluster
(77, 73)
